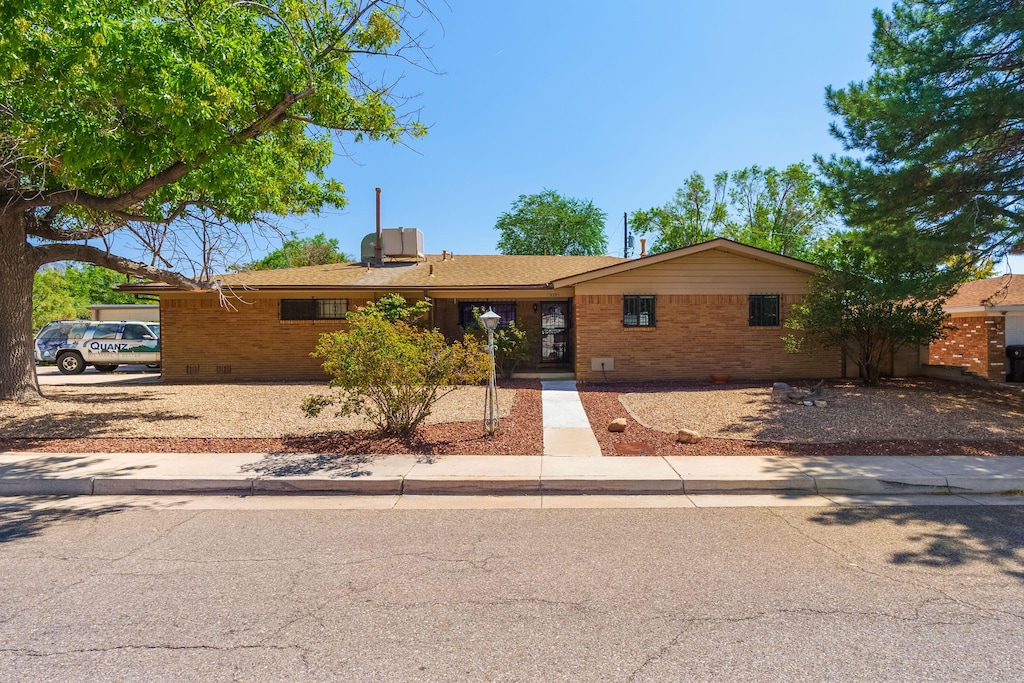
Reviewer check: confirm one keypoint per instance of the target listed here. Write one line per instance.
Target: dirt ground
(263, 418)
(899, 417)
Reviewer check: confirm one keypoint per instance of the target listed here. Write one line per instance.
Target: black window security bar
(764, 310)
(638, 310)
(506, 309)
(314, 309)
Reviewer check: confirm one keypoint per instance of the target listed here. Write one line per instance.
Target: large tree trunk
(17, 270)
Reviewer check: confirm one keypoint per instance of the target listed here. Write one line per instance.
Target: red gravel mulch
(520, 434)
(601, 402)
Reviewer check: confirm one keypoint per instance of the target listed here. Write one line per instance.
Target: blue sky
(613, 102)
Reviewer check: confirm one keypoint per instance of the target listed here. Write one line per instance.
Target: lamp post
(490, 320)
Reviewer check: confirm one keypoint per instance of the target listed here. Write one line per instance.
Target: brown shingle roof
(457, 271)
(1006, 290)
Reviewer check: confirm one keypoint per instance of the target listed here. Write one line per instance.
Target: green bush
(512, 345)
(390, 370)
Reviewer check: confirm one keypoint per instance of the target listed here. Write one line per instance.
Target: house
(987, 316)
(717, 307)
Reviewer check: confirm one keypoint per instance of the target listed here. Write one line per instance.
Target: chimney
(378, 249)
(643, 247)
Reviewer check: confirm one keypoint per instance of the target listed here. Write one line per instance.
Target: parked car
(75, 344)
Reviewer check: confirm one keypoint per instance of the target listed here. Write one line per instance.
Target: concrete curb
(480, 486)
(23, 474)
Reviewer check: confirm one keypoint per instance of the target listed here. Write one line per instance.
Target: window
(638, 310)
(314, 309)
(764, 310)
(506, 309)
(106, 331)
(135, 332)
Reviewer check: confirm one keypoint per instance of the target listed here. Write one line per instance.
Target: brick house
(712, 307)
(987, 316)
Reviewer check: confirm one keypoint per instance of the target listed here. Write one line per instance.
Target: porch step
(544, 375)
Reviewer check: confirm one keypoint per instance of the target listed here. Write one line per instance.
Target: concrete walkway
(567, 430)
(265, 473)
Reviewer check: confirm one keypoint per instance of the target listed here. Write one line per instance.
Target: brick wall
(695, 336)
(201, 341)
(978, 343)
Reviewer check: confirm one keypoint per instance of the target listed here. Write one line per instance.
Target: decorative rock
(687, 436)
(808, 403)
(617, 425)
(780, 390)
(820, 404)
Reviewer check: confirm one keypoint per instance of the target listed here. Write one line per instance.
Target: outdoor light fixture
(490, 320)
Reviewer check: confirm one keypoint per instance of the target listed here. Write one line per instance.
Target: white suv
(75, 344)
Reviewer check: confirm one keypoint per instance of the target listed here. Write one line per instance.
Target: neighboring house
(988, 316)
(146, 312)
(712, 307)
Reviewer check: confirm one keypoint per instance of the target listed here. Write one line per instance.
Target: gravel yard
(207, 410)
(899, 409)
(900, 417)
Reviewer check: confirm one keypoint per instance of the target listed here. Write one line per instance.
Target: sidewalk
(262, 473)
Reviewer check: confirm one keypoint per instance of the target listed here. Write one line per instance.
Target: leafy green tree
(936, 129)
(298, 251)
(785, 211)
(548, 223)
(392, 371)
(781, 211)
(51, 299)
(131, 127)
(696, 214)
(91, 285)
(870, 304)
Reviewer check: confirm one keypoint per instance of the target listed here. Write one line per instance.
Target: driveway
(49, 375)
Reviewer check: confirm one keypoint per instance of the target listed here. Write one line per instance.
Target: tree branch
(168, 176)
(50, 253)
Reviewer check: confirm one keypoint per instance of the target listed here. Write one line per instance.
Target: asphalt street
(727, 594)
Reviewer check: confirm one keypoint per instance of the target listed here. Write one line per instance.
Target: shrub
(391, 371)
(512, 345)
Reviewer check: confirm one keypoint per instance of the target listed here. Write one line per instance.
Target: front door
(554, 332)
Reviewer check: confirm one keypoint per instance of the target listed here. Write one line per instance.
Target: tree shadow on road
(947, 537)
(25, 517)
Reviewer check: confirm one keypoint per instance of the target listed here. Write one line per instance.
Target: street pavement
(49, 375)
(901, 593)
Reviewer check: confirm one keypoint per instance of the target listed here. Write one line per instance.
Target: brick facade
(695, 336)
(204, 342)
(978, 344)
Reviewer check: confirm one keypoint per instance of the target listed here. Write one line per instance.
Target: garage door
(1014, 328)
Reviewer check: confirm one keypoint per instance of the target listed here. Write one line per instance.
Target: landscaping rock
(617, 425)
(687, 436)
(820, 404)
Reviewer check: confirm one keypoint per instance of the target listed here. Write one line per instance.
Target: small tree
(392, 371)
(512, 344)
(298, 251)
(870, 305)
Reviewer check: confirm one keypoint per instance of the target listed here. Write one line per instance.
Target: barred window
(764, 310)
(506, 309)
(314, 309)
(638, 310)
